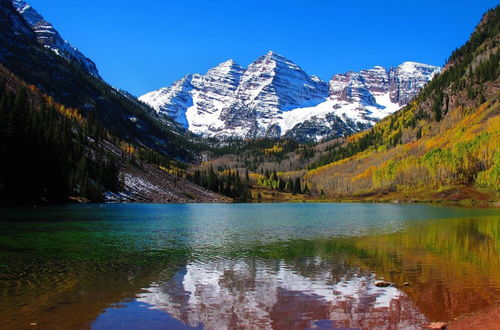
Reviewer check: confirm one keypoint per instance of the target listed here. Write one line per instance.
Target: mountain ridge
(70, 136)
(273, 97)
(50, 38)
(72, 85)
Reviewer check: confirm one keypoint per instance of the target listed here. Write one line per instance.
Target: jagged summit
(274, 83)
(274, 55)
(50, 38)
(274, 97)
(225, 67)
(229, 62)
(272, 58)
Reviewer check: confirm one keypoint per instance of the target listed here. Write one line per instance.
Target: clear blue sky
(144, 45)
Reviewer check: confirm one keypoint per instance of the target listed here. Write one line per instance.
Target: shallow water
(283, 266)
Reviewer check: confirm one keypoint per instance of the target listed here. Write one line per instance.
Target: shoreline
(462, 203)
(487, 318)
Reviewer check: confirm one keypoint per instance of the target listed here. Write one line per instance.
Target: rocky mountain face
(50, 38)
(232, 101)
(274, 97)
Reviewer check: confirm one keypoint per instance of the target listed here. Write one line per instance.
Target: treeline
(228, 183)
(49, 152)
(461, 72)
(252, 154)
(272, 180)
(254, 147)
(388, 135)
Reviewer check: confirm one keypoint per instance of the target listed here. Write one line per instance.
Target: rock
(33, 324)
(437, 325)
(405, 284)
(382, 284)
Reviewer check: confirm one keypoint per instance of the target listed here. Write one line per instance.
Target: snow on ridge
(410, 64)
(50, 38)
(274, 97)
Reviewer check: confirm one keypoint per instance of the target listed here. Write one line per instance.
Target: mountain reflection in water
(282, 266)
(224, 294)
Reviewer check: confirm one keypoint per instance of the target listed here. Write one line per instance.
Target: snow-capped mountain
(408, 78)
(357, 100)
(50, 38)
(274, 97)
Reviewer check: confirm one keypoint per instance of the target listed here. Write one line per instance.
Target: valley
(267, 132)
(252, 195)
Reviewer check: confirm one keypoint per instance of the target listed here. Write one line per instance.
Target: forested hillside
(49, 152)
(52, 153)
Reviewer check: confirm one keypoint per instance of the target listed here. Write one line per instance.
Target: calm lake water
(282, 266)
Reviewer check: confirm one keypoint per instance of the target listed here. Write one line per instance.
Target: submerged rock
(437, 325)
(382, 284)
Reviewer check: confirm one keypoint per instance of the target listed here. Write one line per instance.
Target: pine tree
(297, 189)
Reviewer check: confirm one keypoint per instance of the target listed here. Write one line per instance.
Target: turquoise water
(243, 265)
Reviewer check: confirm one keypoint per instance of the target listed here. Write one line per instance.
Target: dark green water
(283, 266)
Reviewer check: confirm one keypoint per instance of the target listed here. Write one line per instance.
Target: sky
(140, 46)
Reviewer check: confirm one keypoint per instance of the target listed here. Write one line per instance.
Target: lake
(225, 266)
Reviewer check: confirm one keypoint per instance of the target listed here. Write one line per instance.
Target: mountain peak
(229, 62)
(274, 95)
(227, 66)
(412, 66)
(415, 69)
(272, 62)
(271, 55)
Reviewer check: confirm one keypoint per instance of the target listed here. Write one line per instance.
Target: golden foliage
(70, 113)
(274, 150)
(465, 153)
(127, 147)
